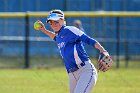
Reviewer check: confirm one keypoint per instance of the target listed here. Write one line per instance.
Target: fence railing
(72, 14)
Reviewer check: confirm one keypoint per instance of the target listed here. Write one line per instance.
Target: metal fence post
(118, 41)
(126, 54)
(26, 41)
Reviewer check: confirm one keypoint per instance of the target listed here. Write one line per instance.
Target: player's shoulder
(74, 30)
(71, 28)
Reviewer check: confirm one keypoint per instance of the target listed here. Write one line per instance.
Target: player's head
(55, 15)
(56, 19)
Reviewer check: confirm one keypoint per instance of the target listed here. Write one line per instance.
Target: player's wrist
(44, 30)
(105, 53)
(103, 50)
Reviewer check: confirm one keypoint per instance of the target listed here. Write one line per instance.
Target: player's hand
(104, 61)
(42, 26)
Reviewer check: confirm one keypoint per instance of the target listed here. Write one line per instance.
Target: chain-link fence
(22, 46)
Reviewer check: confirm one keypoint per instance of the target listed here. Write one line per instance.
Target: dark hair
(57, 11)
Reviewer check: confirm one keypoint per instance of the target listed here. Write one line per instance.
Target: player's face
(56, 25)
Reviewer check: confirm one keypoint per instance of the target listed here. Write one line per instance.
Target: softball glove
(104, 62)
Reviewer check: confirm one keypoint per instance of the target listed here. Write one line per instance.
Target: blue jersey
(70, 42)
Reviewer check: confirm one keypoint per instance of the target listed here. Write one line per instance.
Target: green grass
(55, 81)
(33, 81)
(119, 81)
(47, 75)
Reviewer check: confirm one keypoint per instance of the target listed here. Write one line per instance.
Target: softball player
(82, 73)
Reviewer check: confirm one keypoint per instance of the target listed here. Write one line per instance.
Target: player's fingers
(101, 66)
(105, 69)
(40, 22)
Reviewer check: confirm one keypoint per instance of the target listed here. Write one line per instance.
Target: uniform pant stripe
(89, 80)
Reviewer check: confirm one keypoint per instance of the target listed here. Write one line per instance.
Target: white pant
(84, 79)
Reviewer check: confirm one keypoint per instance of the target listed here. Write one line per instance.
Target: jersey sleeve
(81, 36)
(90, 41)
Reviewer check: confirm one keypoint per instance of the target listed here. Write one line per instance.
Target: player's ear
(63, 21)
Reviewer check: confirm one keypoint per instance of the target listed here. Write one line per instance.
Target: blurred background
(23, 47)
(114, 23)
